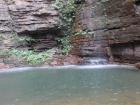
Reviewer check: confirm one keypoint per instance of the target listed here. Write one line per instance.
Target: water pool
(71, 86)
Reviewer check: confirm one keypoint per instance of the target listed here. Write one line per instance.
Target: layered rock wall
(31, 16)
(34, 18)
(115, 28)
(5, 26)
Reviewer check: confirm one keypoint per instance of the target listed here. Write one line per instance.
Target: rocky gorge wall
(5, 26)
(113, 27)
(35, 18)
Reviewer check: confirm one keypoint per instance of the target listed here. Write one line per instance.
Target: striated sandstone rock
(60, 60)
(5, 26)
(33, 16)
(114, 27)
(5, 19)
(115, 24)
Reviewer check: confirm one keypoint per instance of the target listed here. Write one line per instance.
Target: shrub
(32, 57)
(67, 10)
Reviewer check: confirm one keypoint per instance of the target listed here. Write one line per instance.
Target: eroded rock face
(65, 60)
(32, 16)
(126, 52)
(35, 18)
(5, 26)
(115, 27)
(5, 18)
(125, 40)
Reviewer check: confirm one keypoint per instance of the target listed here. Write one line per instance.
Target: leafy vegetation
(66, 46)
(4, 53)
(31, 57)
(22, 40)
(67, 10)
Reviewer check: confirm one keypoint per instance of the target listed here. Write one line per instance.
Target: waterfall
(95, 61)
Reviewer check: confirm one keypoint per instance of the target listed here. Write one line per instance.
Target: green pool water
(100, 86)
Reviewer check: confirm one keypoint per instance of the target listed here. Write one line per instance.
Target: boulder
(137, 65)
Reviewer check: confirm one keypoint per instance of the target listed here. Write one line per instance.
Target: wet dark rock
(36, 19)
(115, 28)
(137, 65)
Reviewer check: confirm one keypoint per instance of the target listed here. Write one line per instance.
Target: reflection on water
(71, 87)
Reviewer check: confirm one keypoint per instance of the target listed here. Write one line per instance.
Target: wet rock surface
(60, 60)
(114, 25)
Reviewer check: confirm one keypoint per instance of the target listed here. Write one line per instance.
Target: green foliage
(4, 53)
(67, 10)
(22, 40)
(32, 57)
(66, 46)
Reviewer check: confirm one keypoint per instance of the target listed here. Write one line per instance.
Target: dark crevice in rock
(79, 1)
(137, 2)
(126, 52)
(44, 40)
(53, 31)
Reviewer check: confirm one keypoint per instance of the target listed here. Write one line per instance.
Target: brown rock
(72, 60)
(60, 60)
(31, 16)
(137, 65)
(114, 24)
(4, 66)
(56, 62)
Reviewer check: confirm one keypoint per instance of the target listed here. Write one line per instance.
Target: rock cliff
(113, 27)
(31, 16)
(35, 18)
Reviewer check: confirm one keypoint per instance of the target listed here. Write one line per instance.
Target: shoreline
(81, 67)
